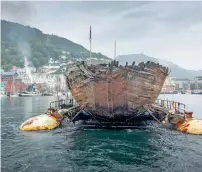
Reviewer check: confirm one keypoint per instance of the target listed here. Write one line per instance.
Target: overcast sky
(165, 30)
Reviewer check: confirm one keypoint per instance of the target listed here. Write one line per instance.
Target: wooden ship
(114, 92)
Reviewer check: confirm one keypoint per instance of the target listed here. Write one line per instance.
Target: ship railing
(179, 107)
(60, 104)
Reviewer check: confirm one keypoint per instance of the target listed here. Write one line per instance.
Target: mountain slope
(19, 41)
(176, 71)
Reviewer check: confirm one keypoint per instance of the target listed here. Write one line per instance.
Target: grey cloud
(175, 15)
(17, 11)
(97, 7)
(115, 7)
(155, 19)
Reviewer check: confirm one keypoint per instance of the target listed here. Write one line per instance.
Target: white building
(181, 84)
(169, 85)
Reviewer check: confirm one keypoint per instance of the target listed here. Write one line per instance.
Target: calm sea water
(150, 148)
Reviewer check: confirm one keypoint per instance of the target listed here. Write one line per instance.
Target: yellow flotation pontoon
(42, 122)
(189, 125)
(185, 122)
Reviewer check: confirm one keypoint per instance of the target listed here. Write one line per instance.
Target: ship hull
(115, 92)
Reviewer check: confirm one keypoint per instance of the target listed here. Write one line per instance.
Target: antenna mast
(90, 41)
(115, 50)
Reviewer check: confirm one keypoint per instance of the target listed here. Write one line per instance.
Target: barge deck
(160, 112)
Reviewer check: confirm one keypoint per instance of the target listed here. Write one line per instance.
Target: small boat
(9, 94)
(47, 94)
(170, 92)
(196, 92)
(188, 92)
(13, 95)
(29, 94)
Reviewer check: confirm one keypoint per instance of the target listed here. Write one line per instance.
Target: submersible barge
(118, 97)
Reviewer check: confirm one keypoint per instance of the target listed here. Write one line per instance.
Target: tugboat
(47, 94)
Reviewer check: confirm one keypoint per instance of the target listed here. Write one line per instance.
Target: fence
(62, 103)
(180, 107)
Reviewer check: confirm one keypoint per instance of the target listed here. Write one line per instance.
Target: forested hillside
(18, 41)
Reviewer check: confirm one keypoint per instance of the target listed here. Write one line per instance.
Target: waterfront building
(169, 85)
(181, 84)
(11, 82)
(196, 83)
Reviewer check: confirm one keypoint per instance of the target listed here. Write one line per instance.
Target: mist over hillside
(19, 42)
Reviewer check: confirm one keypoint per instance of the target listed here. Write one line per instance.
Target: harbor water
(148, 148)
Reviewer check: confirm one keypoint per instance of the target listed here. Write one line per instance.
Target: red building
(12, 83)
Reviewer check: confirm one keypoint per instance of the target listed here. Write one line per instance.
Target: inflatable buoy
(189, 125)
(192, 126)
(41, 122)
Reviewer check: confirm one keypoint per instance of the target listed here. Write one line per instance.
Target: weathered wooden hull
(115, 92)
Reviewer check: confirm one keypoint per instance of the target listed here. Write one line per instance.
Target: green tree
(7, 67)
